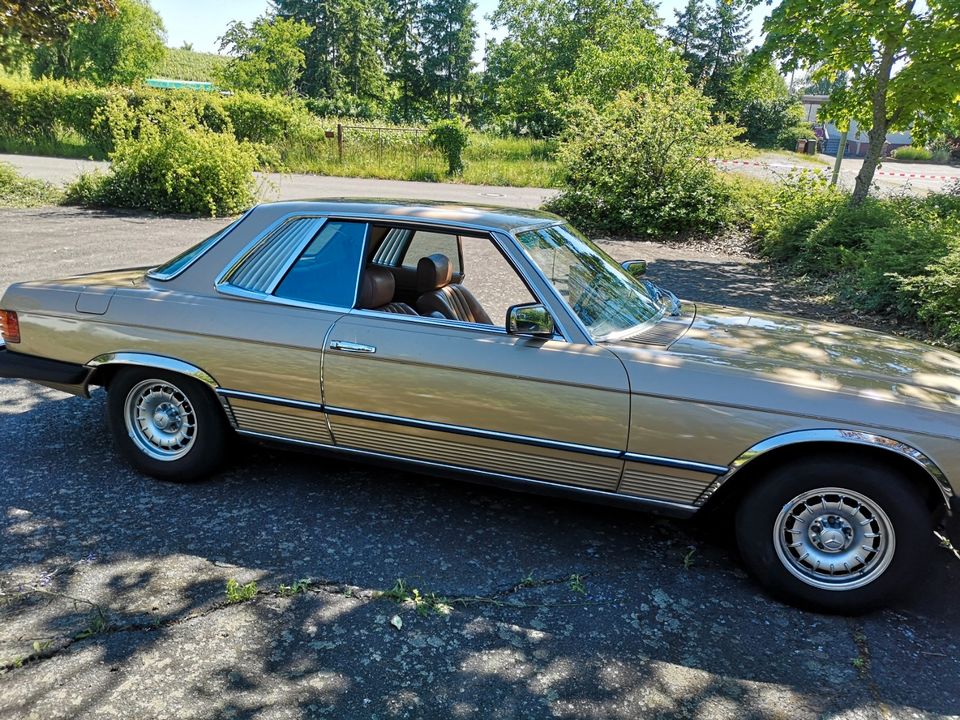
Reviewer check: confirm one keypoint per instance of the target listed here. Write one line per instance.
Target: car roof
(483, 217)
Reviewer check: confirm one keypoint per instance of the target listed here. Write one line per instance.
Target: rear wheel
(166, 425)
(832, 534)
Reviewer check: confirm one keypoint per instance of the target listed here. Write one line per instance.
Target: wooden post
(340, 142)
(841, 148)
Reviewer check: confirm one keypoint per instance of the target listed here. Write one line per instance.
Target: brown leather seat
(438, 295)
(376, 292)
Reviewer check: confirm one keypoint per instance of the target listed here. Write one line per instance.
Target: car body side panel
(681, 410)
(480, 383)
(244, 345)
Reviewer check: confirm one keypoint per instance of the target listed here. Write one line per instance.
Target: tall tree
(404, 55)
(902, 59)
(267, 55)
(449, 33)
(688, 33)
(543, 41)
(343, 53)
(725, 48)
(119, 48)
(27, 24)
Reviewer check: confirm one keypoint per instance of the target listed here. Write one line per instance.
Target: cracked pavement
(666, 625)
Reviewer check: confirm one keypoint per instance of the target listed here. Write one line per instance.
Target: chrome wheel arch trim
(158, 362)
(836, 436)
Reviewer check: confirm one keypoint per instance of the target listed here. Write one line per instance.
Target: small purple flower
(91, 558)
(45, 579)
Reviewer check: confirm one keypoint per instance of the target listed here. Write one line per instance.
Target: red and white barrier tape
(754, 163)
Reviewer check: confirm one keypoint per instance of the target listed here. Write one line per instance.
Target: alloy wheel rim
(160, 420)
(834, 538)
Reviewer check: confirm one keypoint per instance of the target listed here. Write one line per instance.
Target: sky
(201, 22)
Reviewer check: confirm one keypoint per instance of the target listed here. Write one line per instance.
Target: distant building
(857, 142)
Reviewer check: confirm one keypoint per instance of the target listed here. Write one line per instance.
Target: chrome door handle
(351, 347)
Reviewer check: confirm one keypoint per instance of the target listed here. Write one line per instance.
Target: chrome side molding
(159, 362)
(833, 435)
(513, 481)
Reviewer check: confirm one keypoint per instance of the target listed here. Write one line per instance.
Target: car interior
(418, 272)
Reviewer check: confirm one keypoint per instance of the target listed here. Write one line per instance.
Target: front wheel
(833, 534)
(166, 425)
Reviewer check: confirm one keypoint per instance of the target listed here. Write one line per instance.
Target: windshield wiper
(666, 299)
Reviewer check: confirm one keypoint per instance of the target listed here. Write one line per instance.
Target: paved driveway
(556, 609)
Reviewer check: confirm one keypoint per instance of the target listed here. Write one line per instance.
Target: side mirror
(530, 319)
(635, 268)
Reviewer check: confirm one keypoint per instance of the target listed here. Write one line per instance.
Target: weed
(299, 586)
(96, 624)
(424, 603)
(859, 663)
(527, 581)
(688, 559)
(576, 584)
(237, 593)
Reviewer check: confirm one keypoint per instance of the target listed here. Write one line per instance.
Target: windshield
(606, 299)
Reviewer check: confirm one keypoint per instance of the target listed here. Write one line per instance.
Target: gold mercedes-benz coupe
(502, 346)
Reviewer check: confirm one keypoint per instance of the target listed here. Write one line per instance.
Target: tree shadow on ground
(651, 634)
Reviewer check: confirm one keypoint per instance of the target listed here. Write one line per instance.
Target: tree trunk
(881, 119)
(878, 138)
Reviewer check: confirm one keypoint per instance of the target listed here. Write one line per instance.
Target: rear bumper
(42, 370)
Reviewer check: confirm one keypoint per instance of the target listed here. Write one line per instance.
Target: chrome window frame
(568, 324)
(164, 277)
(223, 286)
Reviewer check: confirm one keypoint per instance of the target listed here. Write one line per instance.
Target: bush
(641, 164)
(21, 192)
(173, 168)
(770, 122)
(910, 152)
(450, 137)
(788, 137)
(898, 255)
(937, 291)
(258, 118)
(785, 220)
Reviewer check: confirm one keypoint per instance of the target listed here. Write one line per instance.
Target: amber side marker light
(9, 326)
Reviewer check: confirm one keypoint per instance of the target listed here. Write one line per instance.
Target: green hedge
(44, 109)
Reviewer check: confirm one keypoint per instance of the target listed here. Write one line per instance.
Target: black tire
(203, 448)
(901, 509)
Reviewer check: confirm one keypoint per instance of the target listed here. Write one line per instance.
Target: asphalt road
(659, 622)
(291, 186)
(891, 177)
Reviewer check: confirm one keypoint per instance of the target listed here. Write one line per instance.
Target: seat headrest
(376, 288)
(433, 272)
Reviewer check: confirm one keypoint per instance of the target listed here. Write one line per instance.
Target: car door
(470, 396)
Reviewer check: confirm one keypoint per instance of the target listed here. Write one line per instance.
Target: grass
(65, 144)
(17, 191)
(753, 153)
(397, 155)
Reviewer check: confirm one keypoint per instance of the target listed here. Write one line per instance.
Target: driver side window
(442, 275)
